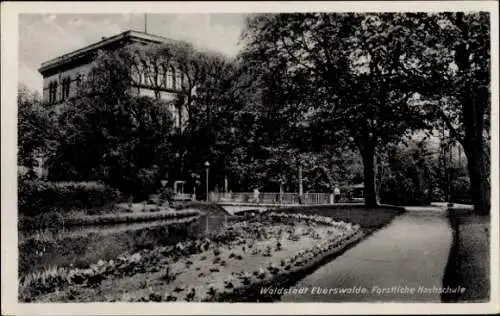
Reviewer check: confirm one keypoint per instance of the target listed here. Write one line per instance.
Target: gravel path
(409, 255)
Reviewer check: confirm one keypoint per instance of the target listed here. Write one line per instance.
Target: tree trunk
(473, 111)
(478, 174)
(473, 143)
(368, 155)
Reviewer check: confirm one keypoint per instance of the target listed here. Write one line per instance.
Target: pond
(84, 245)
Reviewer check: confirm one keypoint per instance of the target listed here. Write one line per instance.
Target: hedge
(37, 197)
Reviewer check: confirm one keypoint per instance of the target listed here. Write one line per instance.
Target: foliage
(329, 93)
(457, 62)
(109, 134)
(460, 190)
(411, 175)
(38, 197)
(35, 127)
(333, 71)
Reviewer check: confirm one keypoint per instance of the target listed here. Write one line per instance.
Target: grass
(58, 220)
(468, 262)
(128, 217)
(367, 218)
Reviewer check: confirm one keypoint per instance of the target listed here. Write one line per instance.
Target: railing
(286, 198)
(183, 197)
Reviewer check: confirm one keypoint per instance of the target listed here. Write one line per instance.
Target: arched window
(158, 75)
(136, 72)
(170, 78)
(78, 80)
(151, 74)
(144, 73)
(52, 91)
(162, 69)
(178, 80)
(66, 84)
(84, 80)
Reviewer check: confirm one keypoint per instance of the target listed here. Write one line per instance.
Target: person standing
(336, 194)
(256, 195)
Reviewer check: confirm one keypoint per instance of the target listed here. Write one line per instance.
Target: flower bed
(274, 248)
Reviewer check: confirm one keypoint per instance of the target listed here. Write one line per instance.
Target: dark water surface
(84, 245)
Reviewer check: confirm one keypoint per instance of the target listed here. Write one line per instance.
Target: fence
(272, 198)
(184, 197)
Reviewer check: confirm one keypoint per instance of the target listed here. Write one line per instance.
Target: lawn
(367, 218)
(469, 261)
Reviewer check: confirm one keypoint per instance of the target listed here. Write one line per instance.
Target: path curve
(404, 261)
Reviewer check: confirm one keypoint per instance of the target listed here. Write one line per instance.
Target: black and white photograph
(251, 156)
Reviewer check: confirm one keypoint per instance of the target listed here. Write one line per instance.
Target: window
(84, 79)
(145, 74)
(78, 80)
(170, 78)
(162, 76)
(151, 75)
(158, 75)
(66, 83)
(91, 77)
(137, 73)
(52, 92)
(178, 80)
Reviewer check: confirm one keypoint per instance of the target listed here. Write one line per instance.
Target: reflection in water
(81, 246)
(75, 231)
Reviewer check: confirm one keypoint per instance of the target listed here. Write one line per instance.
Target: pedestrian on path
(256, 195)
(336, 194)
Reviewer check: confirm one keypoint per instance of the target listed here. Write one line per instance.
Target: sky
(45, 36)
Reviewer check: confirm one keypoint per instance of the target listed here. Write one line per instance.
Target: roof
(130, 34)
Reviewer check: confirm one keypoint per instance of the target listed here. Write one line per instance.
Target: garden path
(411, 251)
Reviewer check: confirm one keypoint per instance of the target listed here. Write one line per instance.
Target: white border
(9, 47)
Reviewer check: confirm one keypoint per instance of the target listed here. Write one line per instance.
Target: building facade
(64, 75)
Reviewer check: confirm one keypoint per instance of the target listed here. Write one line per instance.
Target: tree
(36, 134)
(458, 63)
(343, 73)
(413, 172)
(109, 134)
(125, 136)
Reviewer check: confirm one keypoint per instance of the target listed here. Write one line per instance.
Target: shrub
(138, 183)
(37, 197)
(167, 195)
(460, 190)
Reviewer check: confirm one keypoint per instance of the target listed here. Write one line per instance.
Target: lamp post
(301, 187)
(207, 167)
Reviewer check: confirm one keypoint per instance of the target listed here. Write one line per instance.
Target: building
(63, 75)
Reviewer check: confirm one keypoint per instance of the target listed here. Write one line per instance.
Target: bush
(139, 184)
(36, 197)
(460, 190)
(167, 195)
(404, 190)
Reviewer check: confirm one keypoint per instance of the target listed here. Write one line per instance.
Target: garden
(230, 264)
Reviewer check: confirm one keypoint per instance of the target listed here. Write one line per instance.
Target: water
(81, 246)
